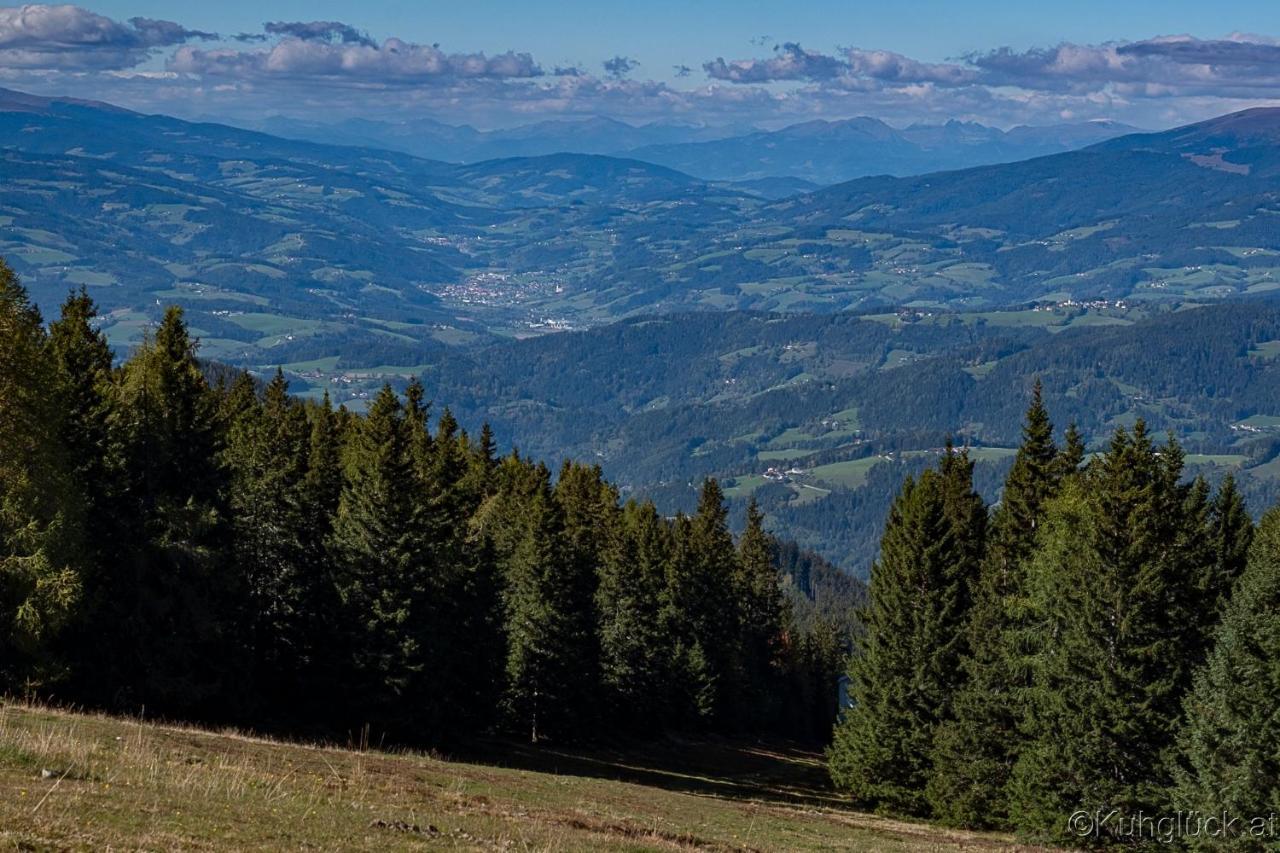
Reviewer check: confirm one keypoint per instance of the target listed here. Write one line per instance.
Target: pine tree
(384, 568)
(173, 606)
(906, 667)
(1229, 745)
(761, 617)
(545, 636)
(635, 652)
(1109, 596)
(40, 511)
(974, 753)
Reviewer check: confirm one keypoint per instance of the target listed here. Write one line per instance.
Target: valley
(672, 328)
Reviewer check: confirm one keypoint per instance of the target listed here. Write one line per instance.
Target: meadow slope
(74, 781)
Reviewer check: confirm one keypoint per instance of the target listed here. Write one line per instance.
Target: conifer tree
(975, 751)
(906, 667)
(267, 452)
(761, 617)
(1229, 746)
(700, 611)
(174, 617)
(1230, 535)
(40, 570)
(636, 654)
(546, 645)
(1108, 594)
(588, 506)
(82, 359)
(694, 689)
(384, 574)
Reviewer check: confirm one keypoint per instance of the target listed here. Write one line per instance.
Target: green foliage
(1111, 596)
(40, 581)
(636, 654)
(762, 620)
(1229, 746)
(974, 752)
(906, 669)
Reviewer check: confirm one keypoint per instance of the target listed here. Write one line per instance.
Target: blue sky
(708, 61)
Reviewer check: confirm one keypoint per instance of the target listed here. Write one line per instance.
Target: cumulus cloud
(1063, 81)
(789, 62)
(394, 62)
(619, 66)
(302, 67)
(330, 31)
(70, 37)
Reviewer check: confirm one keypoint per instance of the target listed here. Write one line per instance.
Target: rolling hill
(336, 242)
(1183, 214)
(820, 416)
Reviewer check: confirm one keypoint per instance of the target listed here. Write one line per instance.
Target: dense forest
(1105, 641)
(182, 540)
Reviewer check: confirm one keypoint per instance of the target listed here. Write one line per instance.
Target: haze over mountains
(148, 207)
(819, 152)
(349, 266)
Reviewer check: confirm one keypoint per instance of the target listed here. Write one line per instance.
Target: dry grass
(77, 781)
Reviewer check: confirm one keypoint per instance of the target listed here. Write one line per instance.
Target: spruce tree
(906, 667)
(761, 617)
(267, 453)
(174, 610)
(547, 640)
(1229, 745)
(635, 652)
(1230, 535)
(384, 572)
(694, 691)
(82, 359)
(974, 752)
(700, 609)
(40, 511)
(1108, 596)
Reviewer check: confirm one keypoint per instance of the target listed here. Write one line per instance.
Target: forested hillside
(1092, 662)
(240, 229)
(178, 537)
(181, 538)
(842, 407)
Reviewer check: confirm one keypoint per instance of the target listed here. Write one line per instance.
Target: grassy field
(83, 782)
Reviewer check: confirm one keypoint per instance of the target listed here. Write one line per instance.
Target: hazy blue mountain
(827, 152)
(436, 140)
(321, 241)
(818, 152)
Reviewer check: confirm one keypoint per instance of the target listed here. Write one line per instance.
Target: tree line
(188, 541)
(1104, 639)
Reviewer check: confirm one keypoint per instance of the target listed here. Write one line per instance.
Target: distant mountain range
(902, 308)
(818, 152)
(436, 140)
(368, 253)
(829, 152)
